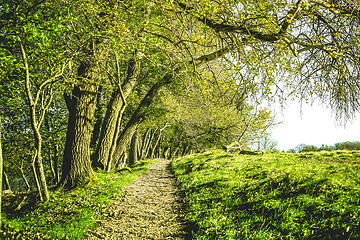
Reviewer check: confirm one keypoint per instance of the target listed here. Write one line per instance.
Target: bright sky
(314, 125)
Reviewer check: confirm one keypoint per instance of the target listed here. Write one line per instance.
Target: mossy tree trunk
(76, 168)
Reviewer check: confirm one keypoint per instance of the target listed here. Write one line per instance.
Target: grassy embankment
(68, 215)
(272, 196)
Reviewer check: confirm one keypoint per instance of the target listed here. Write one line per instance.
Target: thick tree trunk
(138, 116)
(108, 165)
(76, 168)
(114, 107)
(108, 130)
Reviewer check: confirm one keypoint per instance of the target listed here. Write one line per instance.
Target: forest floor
(149, 208)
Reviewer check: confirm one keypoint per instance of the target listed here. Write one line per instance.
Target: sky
(311, 125)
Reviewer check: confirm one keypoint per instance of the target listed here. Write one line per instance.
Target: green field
(272, 196)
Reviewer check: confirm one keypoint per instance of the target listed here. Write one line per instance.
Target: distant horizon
(311, 125)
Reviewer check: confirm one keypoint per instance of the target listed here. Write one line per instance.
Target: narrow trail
(149, 208)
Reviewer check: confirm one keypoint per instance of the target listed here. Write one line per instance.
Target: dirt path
(149, 209)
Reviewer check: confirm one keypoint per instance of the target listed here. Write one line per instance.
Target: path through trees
(149, 208)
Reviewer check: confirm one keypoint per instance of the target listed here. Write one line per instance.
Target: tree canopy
(200, 68)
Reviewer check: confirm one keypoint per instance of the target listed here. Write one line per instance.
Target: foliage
(355, 145)
(212, 110)
(271, 196)
(309, 46)
(347, 146)
(68, 215)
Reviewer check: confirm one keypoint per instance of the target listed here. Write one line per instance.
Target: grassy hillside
(68, 215)
(272, 196)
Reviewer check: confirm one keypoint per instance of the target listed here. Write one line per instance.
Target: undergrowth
(68, 214)
(272, 196)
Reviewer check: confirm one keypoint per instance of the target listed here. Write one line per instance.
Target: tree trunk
(38, 167)
(25, 180)
(6, 179)
(36, 176)
(1, 173)
(98, 120)
(76, 168)
(165, 152)
(39, 164)
(54, 164)
(138, 116)
(114, 107)
(173, 153)
(143, 144)
(149, 143)
(139, 113)
(114, 140)
(186, 150)
(133, 157)
(157, 145)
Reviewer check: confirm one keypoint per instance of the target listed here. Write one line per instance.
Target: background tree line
(355, 145)
(99, 84)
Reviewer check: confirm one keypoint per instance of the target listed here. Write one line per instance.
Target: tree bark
(99, 119)
(173, 153)
(149, 143)
(76, 168)
(165, 152)
(38, 167)
(36, 176)
(114, 140)
(143, 144)
(114, 107)
(6, 179)
(157, 145)
(133, 157)
(138, 116)
(54, 163)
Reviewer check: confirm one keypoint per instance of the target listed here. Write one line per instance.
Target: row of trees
(83, 81)
(338, 146)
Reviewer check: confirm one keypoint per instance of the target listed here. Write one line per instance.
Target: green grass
(69, 215)
(272, 196)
